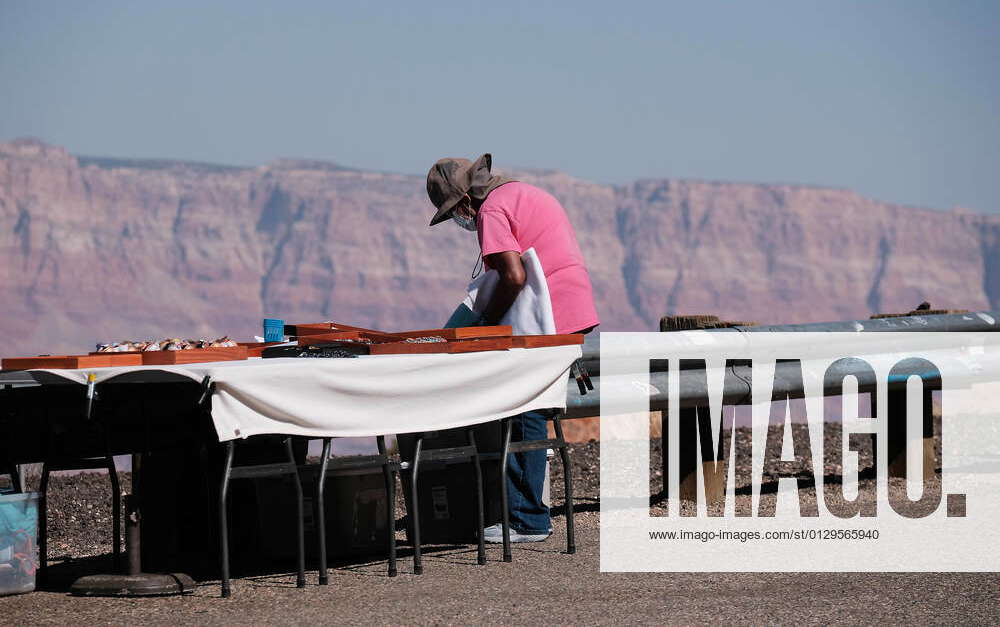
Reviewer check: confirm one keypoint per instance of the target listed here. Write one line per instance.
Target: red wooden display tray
(374, 336)
(72, 362)
(452, 346)
(193, 356)
(314, 328)
(459, 333)
(539, 341)
(255, 349)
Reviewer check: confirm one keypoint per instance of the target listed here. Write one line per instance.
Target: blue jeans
(526, 475)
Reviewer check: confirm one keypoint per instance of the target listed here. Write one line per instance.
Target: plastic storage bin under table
(18, 548)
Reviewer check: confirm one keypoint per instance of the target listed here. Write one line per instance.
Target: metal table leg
(480, 515)
(390, 491)
(414, 514)
(567, 485)
(324, 578)
(350, 464)
(559, 443)
(287, 468)
(504, 505)
(450, 454)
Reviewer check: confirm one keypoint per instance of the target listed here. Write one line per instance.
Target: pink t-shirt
(517, 216)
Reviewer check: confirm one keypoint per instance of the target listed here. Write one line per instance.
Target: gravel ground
(543, 583)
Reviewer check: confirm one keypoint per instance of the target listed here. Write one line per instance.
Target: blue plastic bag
(463, 317)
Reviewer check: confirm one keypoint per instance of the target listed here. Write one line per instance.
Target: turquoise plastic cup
(274, 330)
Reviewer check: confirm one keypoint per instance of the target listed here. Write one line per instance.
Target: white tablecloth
(372, 395)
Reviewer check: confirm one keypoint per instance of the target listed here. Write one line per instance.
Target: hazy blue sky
(896, 100)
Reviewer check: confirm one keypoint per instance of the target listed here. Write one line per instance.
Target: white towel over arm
(531, 313)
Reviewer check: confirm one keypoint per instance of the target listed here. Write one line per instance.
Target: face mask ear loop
(478, 268)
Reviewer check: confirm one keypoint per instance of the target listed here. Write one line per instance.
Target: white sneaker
(494, 535)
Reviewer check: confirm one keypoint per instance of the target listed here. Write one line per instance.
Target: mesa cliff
(97, 249)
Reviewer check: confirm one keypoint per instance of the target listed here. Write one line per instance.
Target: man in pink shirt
(510, 217)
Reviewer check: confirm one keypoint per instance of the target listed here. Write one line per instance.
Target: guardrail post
(691, 455)
(665, 452)
(896, 445)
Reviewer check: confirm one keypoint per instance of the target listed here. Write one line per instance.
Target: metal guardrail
(692, 387)
(972, 321)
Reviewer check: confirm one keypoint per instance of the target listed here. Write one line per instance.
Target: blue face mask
(467, 223)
